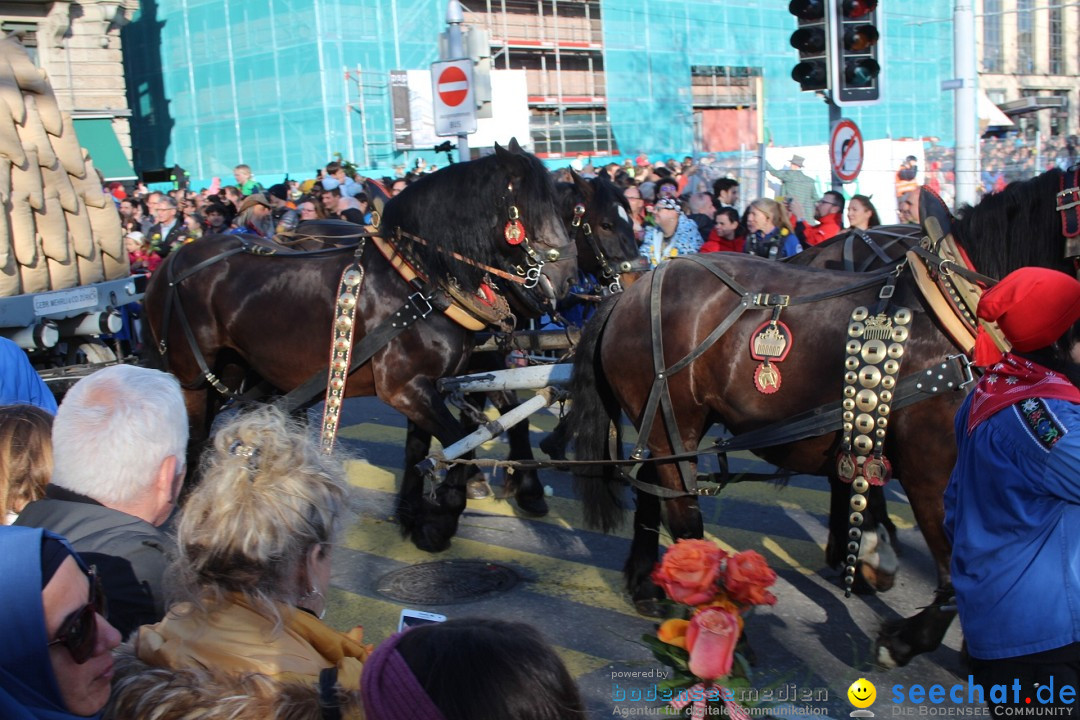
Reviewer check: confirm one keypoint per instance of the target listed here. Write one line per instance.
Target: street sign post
(452, 91)
(846, 150)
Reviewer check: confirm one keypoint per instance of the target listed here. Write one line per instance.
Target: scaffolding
(286, 85)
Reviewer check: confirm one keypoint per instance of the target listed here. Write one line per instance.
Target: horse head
(496, 220)
(598, 219)
(533, 240)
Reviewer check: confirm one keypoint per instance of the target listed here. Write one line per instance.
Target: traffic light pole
(834, 117)
(455, 48)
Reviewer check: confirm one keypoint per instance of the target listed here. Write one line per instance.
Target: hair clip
(239, 449)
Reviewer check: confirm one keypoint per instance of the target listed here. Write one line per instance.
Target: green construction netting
(213, 83)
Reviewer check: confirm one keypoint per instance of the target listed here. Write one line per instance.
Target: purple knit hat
(389, 689)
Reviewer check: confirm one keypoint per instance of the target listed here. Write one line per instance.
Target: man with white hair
(119, 443)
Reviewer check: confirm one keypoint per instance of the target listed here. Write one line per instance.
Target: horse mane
(1017, 227)
(463, 209)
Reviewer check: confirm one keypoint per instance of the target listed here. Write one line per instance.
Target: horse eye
(607, 226)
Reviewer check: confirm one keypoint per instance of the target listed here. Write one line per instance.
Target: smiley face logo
(862, 693)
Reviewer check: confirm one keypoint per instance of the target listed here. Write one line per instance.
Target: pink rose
(689, 571)
(711, 640)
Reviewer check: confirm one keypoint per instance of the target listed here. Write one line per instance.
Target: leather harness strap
(659, 396)
(951, 375)
(1068, 202)
(172, 300)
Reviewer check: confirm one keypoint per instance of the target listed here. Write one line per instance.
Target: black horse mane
(463, 208)
(1017, 227)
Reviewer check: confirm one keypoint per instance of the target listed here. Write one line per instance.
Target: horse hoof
(478, 490)
(649, 607)
(535, 506)
(553, 449)
(429, 540)
(890, 651)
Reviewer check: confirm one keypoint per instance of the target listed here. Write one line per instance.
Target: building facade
(286, 85)
(1029, 59)
(79, 46)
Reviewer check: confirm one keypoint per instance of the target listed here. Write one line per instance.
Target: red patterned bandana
(1015, 379)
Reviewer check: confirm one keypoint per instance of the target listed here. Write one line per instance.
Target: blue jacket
(1012, 512)
(19, 382)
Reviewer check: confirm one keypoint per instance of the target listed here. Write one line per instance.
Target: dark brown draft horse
(272, 315)
(596, 216)
(614, 372)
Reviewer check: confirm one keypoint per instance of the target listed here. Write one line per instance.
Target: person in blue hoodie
(1013, 502)
(56, 658)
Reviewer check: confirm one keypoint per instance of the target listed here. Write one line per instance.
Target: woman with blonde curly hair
(770, 232)
(252, 573)
(26, 458)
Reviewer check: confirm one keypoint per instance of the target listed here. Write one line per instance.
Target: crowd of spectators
(120, 604)
(155, 223)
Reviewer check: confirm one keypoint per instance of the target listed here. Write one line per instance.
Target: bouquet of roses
(711, 591)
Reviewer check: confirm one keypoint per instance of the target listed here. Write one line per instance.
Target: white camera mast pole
(966, 115)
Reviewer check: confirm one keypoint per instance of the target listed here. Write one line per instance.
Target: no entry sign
(452, 91)
(452, 85)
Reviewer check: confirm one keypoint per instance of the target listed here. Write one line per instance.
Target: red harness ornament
(770, 343)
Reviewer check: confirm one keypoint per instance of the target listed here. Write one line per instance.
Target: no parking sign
(846, 150)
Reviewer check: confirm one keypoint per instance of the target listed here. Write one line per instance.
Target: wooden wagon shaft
(489, 430)
(534, 377)
(529, 340)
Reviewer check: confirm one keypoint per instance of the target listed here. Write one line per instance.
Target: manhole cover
(447, 582)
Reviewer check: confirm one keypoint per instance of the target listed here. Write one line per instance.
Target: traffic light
(811, 39)
(856, 78)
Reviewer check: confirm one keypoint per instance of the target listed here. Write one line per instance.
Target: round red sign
(453, 86)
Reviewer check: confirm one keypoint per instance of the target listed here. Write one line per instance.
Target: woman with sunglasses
(56, 656)
(252, 573)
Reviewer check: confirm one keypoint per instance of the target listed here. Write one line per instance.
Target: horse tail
(593, 412)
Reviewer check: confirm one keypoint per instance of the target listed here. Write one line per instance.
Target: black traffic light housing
(811, 39)
(856, 72)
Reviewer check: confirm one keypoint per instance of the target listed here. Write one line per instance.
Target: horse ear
(583, 185)
(502, 153)
(514, 147)
(510, 161)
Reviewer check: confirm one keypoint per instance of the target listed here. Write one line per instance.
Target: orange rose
(746, 577)
(673, 632)
(723, 602)
(689, 571)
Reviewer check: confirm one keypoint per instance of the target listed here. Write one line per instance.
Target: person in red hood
(1013, 501)
(829, 212)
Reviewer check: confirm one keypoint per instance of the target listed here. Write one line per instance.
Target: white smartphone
(412, 618)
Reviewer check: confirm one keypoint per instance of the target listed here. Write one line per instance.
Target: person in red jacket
(829, 212)
(727, 234)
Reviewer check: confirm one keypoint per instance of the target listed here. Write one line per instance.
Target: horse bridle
(516, 234)
(608, 272)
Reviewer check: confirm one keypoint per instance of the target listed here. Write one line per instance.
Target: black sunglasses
(78, 633)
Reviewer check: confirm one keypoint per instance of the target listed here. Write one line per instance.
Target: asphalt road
(809, 647)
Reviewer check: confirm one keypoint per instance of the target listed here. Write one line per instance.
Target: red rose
(746, 577)
(689, 571)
